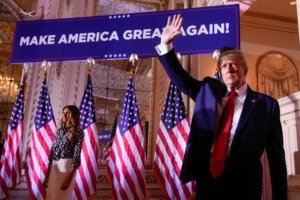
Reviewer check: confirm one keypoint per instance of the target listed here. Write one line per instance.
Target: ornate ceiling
(276, 12)
(14, 10)
(10, 75)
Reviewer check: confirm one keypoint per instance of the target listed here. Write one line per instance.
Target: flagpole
(24, 73)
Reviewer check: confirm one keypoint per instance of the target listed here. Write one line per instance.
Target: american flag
(106, 152)
(170, 147)
(127, 156)
(85, 185)
(107, 148)
(10, 172)
(44, 129)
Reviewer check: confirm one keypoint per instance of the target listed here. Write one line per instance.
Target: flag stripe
(17, 144)
(137, 153)
(4, 188)
(86, 178)
(118, 189)
(35, 180)
(175, 167)
(170, 146)
(92, 145)
(107, 147)
(122, 164)
(127, 156)
(84, 189)
(160, 172)
(171, 169)
(44, 129)
(109, 174)
(86, 163)
(10, 172)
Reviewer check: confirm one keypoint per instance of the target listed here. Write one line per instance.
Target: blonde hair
(233, 54)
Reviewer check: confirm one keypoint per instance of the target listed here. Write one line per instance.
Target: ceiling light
(292, 3)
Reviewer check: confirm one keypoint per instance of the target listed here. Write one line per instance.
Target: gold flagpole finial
(46, 64)
(24, 72)
(90, 62)
(133, 58)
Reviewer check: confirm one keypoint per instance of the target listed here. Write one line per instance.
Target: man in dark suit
(255, 127)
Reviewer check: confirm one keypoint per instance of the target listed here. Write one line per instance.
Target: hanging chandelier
(8, 89)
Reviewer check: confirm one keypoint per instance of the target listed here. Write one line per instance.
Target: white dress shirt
(163, 49)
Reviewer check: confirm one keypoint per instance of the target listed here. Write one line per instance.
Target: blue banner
(118, 36)
(105, 136)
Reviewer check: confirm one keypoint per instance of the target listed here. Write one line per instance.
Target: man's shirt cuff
(163, 49)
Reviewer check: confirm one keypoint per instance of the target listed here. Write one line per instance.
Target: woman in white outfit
(64, 156)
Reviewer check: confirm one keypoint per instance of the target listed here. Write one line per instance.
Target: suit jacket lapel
(249, 104)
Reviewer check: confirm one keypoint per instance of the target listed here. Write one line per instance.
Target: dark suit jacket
(259, 129)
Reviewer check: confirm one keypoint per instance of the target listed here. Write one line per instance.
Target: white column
(290, 113)
(290, 119)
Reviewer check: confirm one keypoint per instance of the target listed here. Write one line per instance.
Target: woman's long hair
(74, 122)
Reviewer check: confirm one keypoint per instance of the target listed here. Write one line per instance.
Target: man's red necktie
(221, 144)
